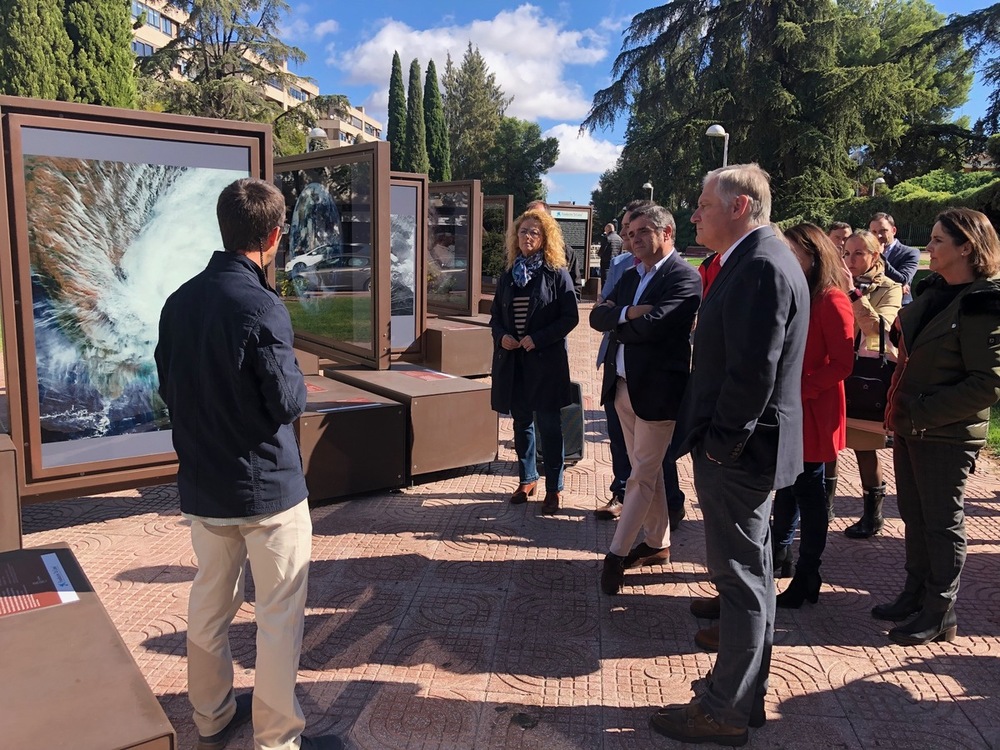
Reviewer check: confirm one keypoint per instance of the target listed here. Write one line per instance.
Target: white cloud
(582, 154)
(325, 28)
(528, 51)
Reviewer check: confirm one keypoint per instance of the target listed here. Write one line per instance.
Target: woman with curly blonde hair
(534, 309)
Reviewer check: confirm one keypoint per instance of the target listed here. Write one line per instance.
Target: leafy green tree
(102, 63)
(395, 129)
(473, 105)
(518, 159)
(416, 136)
(438, 150)
(798, 84)
(981, 31)
(228, 51)
(35, 50)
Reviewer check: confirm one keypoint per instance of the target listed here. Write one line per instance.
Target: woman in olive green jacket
(947, 379)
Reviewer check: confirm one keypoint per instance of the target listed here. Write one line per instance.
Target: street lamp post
(315, 139)
(649, 186)
(877, 181)
(717, 131)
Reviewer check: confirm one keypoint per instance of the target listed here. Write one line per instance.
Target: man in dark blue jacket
(229, 377)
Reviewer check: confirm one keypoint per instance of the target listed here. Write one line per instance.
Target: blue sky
(551, 56)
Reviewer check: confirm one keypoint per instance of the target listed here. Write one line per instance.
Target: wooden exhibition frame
(376, 155)
(418, 182)
(35, 482)
(469, 304)
(506, 204)
(568, 215)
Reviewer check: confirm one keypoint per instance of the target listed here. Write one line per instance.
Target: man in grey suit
(900, 260)
(741, 420)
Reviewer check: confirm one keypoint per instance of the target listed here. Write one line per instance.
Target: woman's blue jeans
(805, 500)
(550, 427)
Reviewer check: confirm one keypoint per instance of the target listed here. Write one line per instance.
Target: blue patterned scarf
(525, 267)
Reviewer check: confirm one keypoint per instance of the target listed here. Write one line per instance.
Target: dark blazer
(658, 344)
(229, 377)
(901, 262)
(743, 405)
(538, 379)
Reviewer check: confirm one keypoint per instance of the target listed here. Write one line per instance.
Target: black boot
(804, 587)
(831, 492)
(871, 521)
(905, 605)
(781, 556)
(925, 628)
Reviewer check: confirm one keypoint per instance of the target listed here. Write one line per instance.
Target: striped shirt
(521, 301)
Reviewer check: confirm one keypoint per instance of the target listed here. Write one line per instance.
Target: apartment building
(163, 23)
(354, 127)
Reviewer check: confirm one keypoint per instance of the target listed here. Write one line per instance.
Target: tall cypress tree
(102, 60)
(34, 50)
(438, 149)
(416, 137)
(395, 130)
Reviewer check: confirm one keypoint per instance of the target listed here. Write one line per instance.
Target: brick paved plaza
(443, 618)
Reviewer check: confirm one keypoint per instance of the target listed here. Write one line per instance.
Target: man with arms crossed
(229, 377)
(649, 313)
(742, 422)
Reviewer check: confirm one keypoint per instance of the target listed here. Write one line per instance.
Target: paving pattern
(443, 618)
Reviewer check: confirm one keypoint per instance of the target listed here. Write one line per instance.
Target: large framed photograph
(109, 218)
(334, 270)
(407, 221)
(455, 247)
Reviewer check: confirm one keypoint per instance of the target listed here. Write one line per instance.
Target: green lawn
(346, 317)
(993, 439)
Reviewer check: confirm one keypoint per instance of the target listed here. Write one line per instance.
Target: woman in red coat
(828, 360)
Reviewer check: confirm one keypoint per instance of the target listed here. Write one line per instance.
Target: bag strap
(882, 325)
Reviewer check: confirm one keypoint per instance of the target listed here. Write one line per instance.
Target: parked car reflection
(334, 274)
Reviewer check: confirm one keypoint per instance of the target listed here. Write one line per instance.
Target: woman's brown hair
(827, 270)
(973, 229)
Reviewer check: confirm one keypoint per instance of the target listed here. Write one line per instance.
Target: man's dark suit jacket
(743, 405)
(658, 344)
(901, 262)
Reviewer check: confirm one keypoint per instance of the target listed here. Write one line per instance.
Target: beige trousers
(645, 507)
(279, 548)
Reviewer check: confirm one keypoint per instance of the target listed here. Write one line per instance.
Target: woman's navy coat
(542, 374)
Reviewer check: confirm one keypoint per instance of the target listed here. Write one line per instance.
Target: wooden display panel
(67, 679)
(351, 440)
(450, 421)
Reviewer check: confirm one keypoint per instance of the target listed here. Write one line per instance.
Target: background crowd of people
(742, 364)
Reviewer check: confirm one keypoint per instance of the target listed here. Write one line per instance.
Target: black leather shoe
(244, 712)
(906, 605)
(550, 505)
(613, 509)
(803, 588)
(675, 516)
(522, 493)
(927, 627)
(708, 638)
(708, 608)
(613, 574)
(643, 554)
(326, 742)
(690, 723)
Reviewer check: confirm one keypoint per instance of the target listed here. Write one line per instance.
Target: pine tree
(416, 136)
(102, 61)
(34, 50)
(395, 129)
(438, 151)
(473, 106)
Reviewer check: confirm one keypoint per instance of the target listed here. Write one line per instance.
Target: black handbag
(867, 387)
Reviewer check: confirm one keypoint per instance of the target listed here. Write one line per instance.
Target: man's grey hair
(659, 217)
(744, 179)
